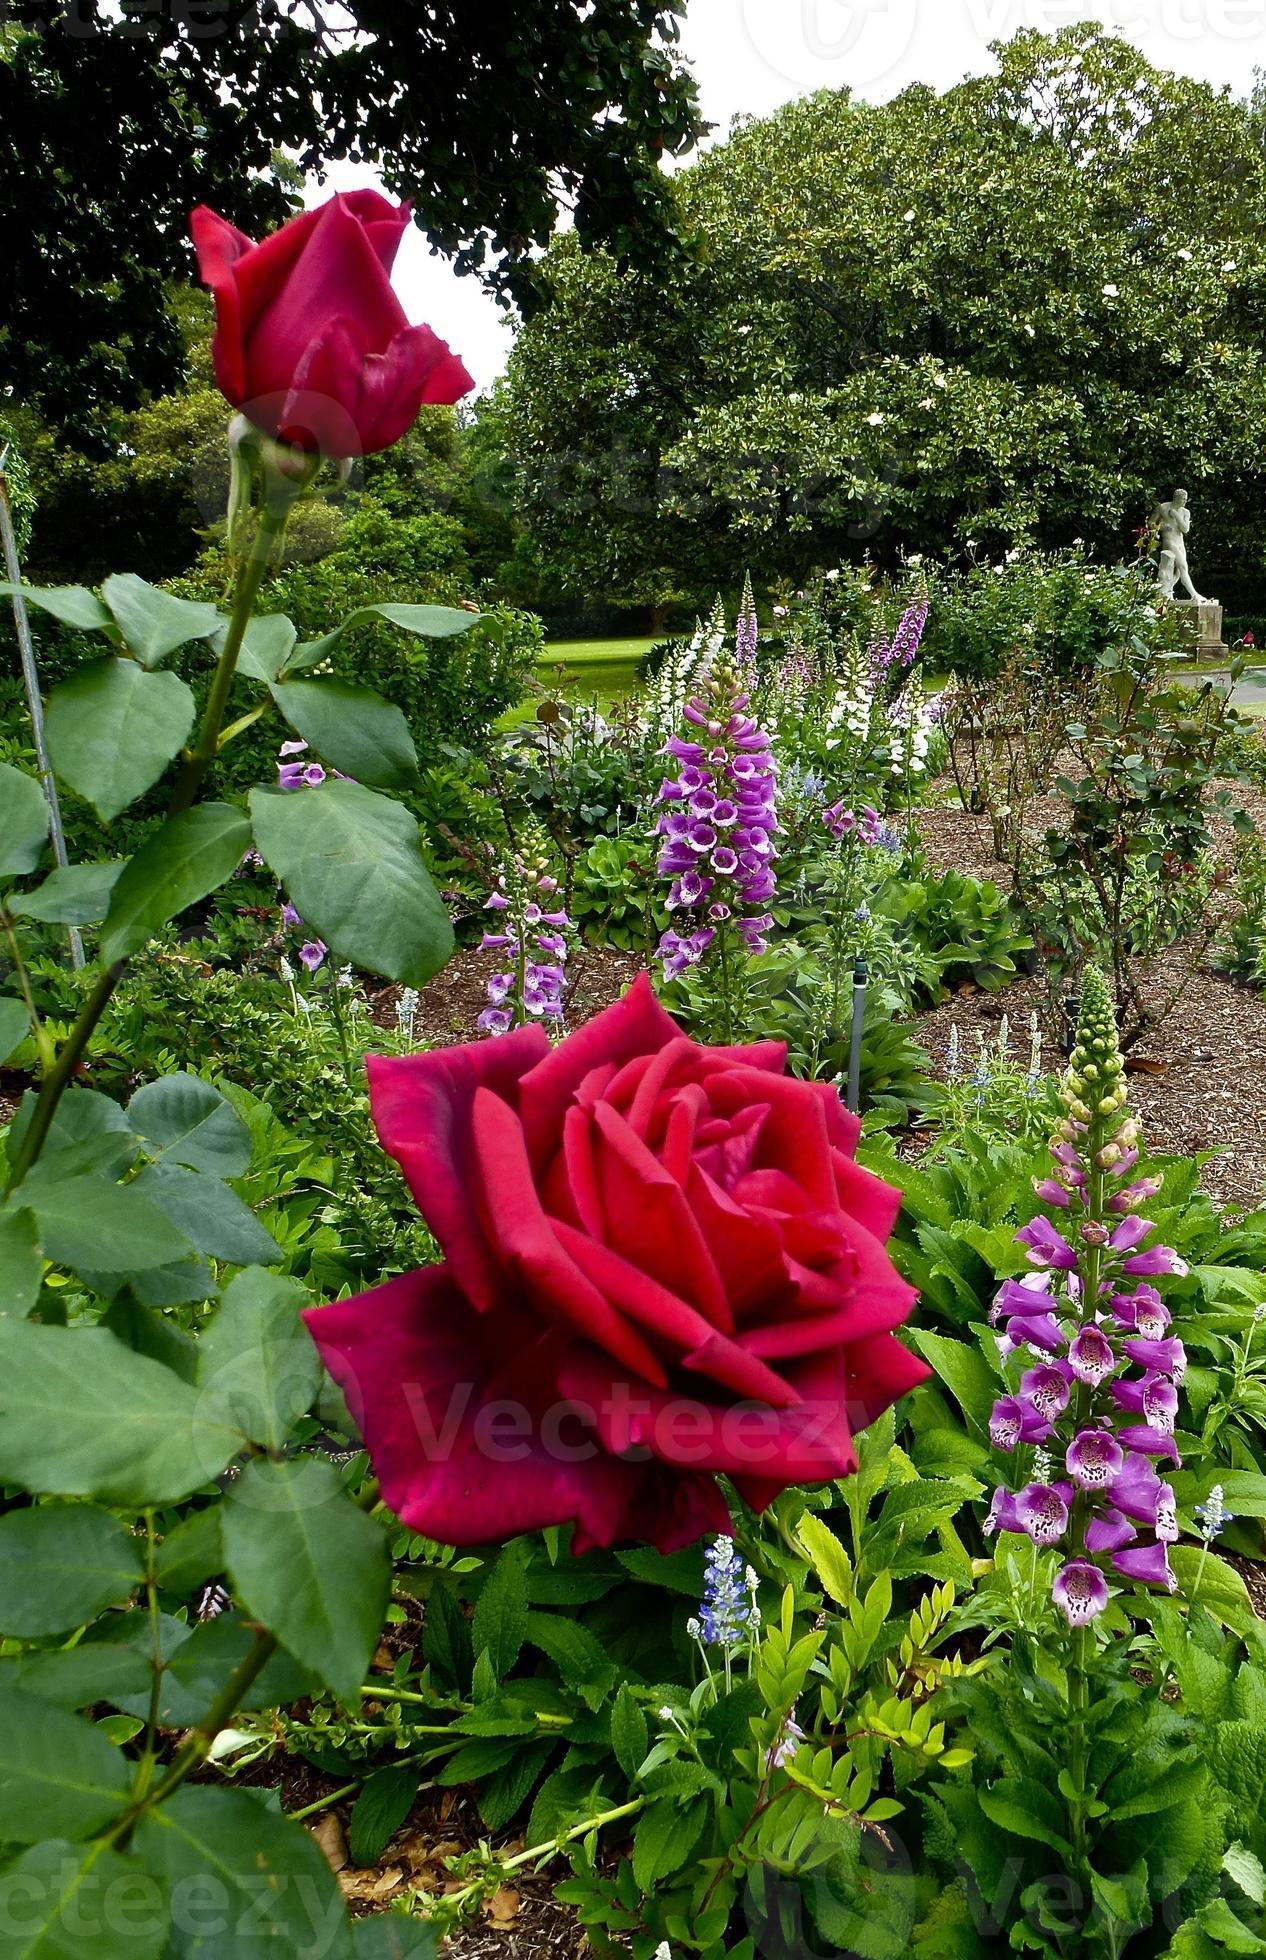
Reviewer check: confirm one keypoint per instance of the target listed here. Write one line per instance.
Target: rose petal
(635, 1025)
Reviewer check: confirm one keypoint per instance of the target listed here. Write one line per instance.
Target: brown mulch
(1197, 1081)
(450, 1005)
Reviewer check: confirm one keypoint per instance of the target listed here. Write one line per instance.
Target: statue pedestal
(1200, 628)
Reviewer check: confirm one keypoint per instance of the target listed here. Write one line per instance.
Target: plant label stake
(31, 680)
(860, 980)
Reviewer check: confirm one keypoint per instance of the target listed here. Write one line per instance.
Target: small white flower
(1229, 265)
(1112, 292)
(876, 420)
(665, 1713)
(1185, 254)
(910, 217)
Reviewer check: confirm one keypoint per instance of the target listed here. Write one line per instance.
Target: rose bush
(311, 342)
(662, 1263)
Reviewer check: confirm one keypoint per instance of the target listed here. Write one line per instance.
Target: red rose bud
(311, 342)
(662, 1264)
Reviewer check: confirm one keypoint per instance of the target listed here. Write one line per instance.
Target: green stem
(145, 1767)
(42, 1042)
(550, 1849)
(322, 1803)
(58, 1078)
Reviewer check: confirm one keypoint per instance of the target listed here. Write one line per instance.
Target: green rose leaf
(192, 1553)
(186, 858)
(152, 622)
(266, 648)
(187, 1121)
(93, 1223)
(202, 1660)
(59, 1777)
(21, 1261)
(113, 729)
(212, 1218)
(79, 1677)
(23, 822)
(61, 1565)
(304, 1559)
(429, 622)
(15, 1025)
(73, 895)
(83, 1416)
(352, 863)
(351, 728)
(68, 1901)
(73, 605)
(258, 1358)
(273, 1890)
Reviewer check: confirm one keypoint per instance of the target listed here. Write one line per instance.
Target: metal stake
(31, 679)
(860, 982)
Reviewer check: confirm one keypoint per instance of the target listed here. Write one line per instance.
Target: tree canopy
(1016, 310)
(116, 118)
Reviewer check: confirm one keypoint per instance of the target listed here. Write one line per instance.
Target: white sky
(752, 55)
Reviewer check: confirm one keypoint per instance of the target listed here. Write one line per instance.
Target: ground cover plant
(544, 1348)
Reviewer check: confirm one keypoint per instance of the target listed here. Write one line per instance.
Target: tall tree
(1015, 310)
(117, 115)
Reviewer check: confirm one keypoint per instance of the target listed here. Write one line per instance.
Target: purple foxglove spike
(1042, 1512)
(1137, 1490)
(1038, 1330)
(1091, 1357)
(1048, 1388)
(1108, 1531)
(1080, 1591)
(1143, 1312)
(1130, 1232)
(1002, 1514)
(1159, 1357)
(1134, 1196)
(1045, 1246)
(1159, 1403)
(1095, 1459)
(1158, 1259)
(1167, 1516)
(1148, 1564)
(1051, 1193)
(1014, 1420)
(1150, 1441)
(1017, 1295)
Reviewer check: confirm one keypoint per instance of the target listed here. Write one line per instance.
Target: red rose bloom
(311, 342)
(662, 1263)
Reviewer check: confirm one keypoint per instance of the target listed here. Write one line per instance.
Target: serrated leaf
(113, 728)
(15, 1025)
(61, 1565)
(258, 1359)
(95, 1225)
(71, 605)
(184, 860)
(429, 622)
(351, 861)
(82, 1416)
(65, 1901)
(154, 623)
(189, 1122)
(212, 1218)
(352, 728)
(73, 895)
(828, 1558)
(385, 1800)
(272, 1890)
(23, 821)
(21, 1262)
(308, 1563)
(630, 1734)
(501, 1613)
(59, 1777)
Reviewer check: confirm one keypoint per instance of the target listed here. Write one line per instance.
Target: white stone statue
(1173, 521)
